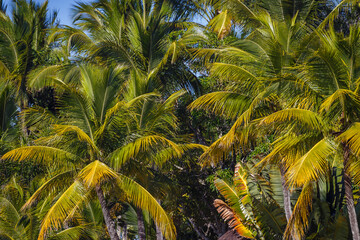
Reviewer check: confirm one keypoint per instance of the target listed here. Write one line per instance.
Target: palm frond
(58, 182)
(142, 144)
(311, 166)
(82, 136)
(229, 216)
(42, 154)
(95, 173)
(229, 104)
(299, 220)
(303, 116)
(141, 198)
(63, 206)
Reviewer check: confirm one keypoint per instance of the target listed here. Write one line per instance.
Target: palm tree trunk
(141, 225)
(110, 224)
(159, 235)
(286, 193)
(349, 196)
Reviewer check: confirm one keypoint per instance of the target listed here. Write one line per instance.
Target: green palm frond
(221, 23)
(299, 220)
(352, 137)
(162, 156)
(42, 154)
(63, 206)
(74, 233)
(141, 198)
(229, 216)
(312, 166)
(96, 172)
(142, 144)
(306, 117)
(82, 136)
(229, 104)
(54, 184)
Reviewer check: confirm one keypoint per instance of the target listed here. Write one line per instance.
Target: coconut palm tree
(85, 137)
(145, 36)
(260, 71)
(326, 129)
(23, 40)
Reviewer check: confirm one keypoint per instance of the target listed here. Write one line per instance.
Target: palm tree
(328, 124)
(23, 38)
(85, 137)
(145, 36)
(260, 72)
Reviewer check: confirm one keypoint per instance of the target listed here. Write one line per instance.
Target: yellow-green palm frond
(141, 198)
(238, 135)
(9, 215)
(95, 173)
(229, 104)
(151, 143)
(46, 76)
(232, 197)
(63, 206)
(311, 166)
(59, 181)
(229, 216)
(42, 154)
(82, 136)
(215, 152)
(352, 137)
(221, 23)
(339, 95)
(299, 220)
(305, 117)
(240, 180)
(75, 233)
(235, 73)
(162, 156)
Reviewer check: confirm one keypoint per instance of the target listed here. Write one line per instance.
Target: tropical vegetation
(199, 119)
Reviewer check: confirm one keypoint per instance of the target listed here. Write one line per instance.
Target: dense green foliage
(180, 120)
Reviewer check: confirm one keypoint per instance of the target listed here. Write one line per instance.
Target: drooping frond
(229, 216)
(55, 183)
(352, 137)
(141, 198)
(221, 23)
(74, 233)
(82, 136)
(169, 153)
(229, 104)
(299, 220)
(63, 206)
(311, 166)
(95, 173)
(42, 154)
(142, 144)
(303, 116)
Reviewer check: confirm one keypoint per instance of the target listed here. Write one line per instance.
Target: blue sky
(62, 6)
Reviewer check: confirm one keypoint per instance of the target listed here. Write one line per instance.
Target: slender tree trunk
(286, 193)
(198, 231)
(24, 127)
(125, 232)
(159, 235)
(349, 196)
(141, 225)
(110, 224)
